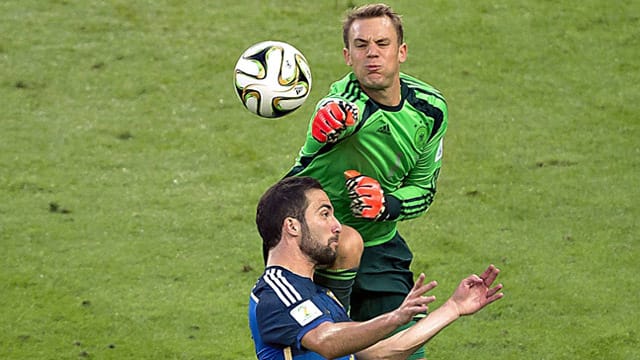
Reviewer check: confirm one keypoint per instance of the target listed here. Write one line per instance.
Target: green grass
(129, 172)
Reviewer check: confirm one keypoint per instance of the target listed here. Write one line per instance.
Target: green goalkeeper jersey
(399, 146)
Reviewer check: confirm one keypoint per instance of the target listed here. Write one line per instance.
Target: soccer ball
(272, 79)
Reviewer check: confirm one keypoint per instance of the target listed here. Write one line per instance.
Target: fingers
(430, 286)
(471, 281)
(416, 302)
(419, 281)
(493, 291)
(351, 113)
(335, 111)
(487, 278)
(331, 119)
(420, 303)
(420, 288)
(495, 295)
(488, 271)
(426, 300)
(366, 194)
(490, 275)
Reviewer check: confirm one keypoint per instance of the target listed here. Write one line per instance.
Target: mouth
(373, 68)
(334, 240)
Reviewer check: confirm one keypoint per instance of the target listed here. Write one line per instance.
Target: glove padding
(331, 119)
(367, 197)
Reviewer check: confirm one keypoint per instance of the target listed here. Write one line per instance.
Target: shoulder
(282, 287)
(285, 306)
(421, 88)
(347, 88)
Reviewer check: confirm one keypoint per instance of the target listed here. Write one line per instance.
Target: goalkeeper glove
(331, 119)
(367, 197)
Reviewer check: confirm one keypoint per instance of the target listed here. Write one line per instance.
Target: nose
(337, 228)
(372, 50)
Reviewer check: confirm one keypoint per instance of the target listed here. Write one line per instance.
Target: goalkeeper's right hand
(332, 118)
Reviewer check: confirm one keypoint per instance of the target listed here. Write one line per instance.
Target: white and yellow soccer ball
(272, 79)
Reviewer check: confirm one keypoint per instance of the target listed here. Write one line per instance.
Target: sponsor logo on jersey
(384, 129)
(305, 312)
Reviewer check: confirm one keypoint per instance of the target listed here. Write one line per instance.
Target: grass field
(129, 172)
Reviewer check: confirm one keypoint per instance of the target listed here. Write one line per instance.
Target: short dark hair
(286, 198)
(371, 11)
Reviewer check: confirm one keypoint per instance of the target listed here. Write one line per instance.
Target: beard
(321, 255)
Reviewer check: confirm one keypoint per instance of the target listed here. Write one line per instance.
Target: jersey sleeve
(418, 191)
(286, 326)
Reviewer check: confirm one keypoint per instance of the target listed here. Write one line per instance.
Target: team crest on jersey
(421, 137)
(305, 312)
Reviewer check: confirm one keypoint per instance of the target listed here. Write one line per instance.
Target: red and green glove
(332, 118)
(367, 198)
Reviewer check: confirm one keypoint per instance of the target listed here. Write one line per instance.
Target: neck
(293, 261)
(388, 97)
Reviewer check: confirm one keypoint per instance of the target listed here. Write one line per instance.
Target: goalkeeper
(375, 145)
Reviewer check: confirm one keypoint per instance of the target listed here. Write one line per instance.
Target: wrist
(392, 207)
(397, 319)
(451, 309)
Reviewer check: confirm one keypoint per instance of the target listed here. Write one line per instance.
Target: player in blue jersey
(293, 318)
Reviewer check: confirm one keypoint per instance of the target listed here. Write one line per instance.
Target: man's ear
(291, 226)
(402, 53)
(347, 56)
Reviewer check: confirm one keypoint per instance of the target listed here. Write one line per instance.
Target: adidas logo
(384, 129)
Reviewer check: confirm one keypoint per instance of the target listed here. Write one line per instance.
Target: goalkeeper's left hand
(367, 197)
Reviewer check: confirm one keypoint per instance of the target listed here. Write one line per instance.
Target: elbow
(323, 343)
(326, 350)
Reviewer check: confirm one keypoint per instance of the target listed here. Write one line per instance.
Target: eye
(360, 44)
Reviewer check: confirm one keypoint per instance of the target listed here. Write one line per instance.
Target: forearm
(409, 202)
(406, 342)
(333, 340)
(418, 191)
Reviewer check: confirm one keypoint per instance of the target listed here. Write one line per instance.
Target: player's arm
(416, 195)
(472, 294)
(369, 201)
(333, 120)
(419, 187)
(333, 340)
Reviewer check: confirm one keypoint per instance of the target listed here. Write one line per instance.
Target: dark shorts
(384, 279)
(385, 268)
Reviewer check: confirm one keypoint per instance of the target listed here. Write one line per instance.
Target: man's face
(374, 52)
(320, 230)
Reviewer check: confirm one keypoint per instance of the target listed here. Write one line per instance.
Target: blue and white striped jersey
(283, 307)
